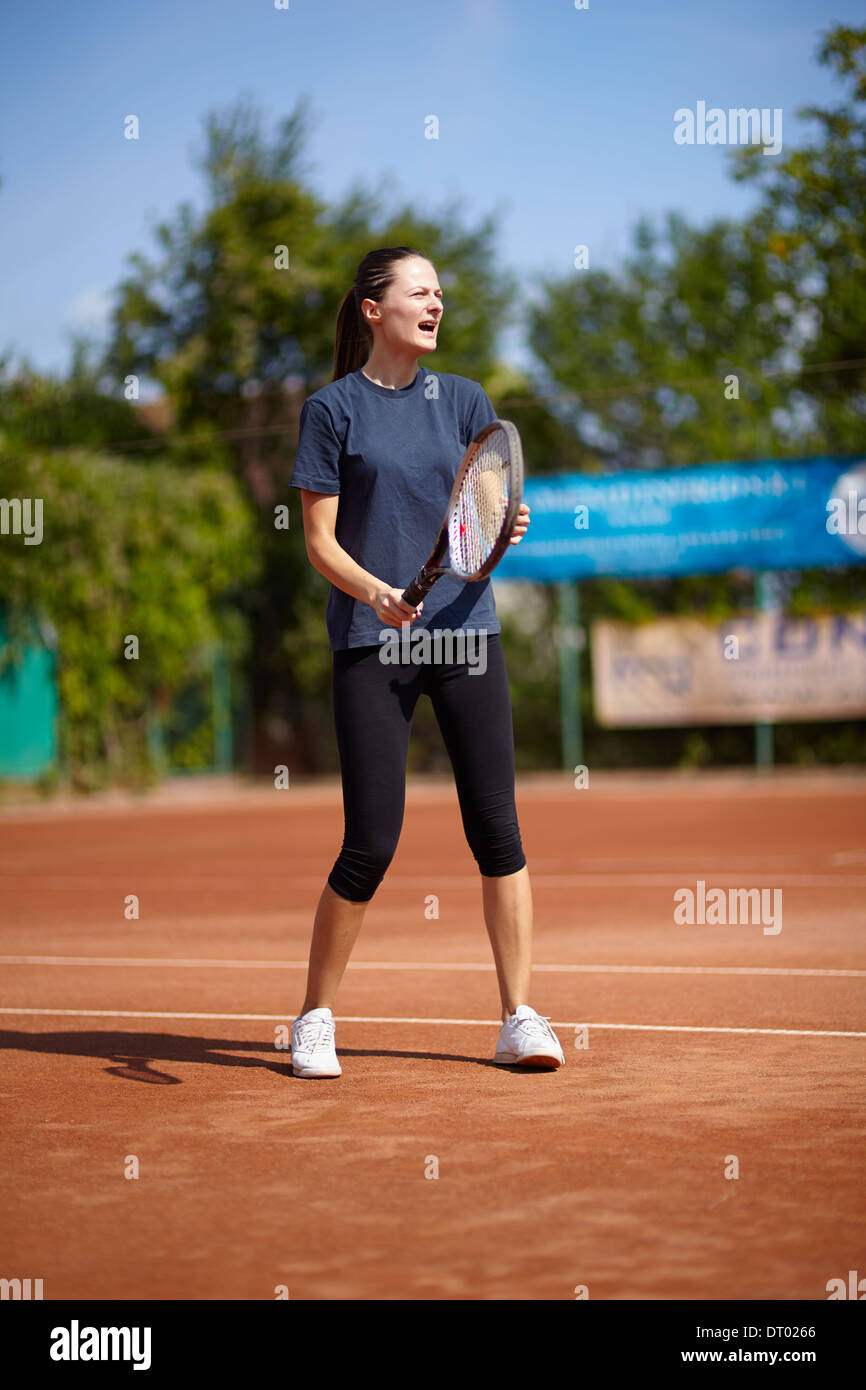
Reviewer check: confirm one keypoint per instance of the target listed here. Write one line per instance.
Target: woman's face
(412, 299)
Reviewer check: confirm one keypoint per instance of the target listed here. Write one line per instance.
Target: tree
(647, 355)
(133, 577)
(41, 411)
(811, 230)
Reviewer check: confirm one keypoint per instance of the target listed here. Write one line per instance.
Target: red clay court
(155, 1038)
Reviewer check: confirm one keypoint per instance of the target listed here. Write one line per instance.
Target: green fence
(28, 706)
(195, 733)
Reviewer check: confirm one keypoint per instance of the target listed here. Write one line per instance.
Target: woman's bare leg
(335, 932)
(508, 917)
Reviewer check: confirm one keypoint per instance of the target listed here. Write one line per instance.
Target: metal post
(765, 602)
(571, 642)
(156, 750)
(222, 711)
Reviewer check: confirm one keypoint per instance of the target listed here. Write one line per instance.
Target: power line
(606, 391)
(576, 397)
(242, 432)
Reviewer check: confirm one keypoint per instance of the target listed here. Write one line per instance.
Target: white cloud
(89, 310)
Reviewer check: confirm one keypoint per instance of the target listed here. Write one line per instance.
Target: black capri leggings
(373, 708)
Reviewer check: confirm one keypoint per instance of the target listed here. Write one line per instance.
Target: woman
(378, 453)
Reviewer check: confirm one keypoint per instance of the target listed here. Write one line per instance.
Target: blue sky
(561, 119)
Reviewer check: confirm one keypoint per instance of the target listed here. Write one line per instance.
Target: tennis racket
(481, 511)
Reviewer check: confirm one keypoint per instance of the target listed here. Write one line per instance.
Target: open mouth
(428, 327)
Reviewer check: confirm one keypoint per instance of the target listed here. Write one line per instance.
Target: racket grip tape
(419, 588)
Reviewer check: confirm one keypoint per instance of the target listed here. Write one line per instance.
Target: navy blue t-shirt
(392, 456)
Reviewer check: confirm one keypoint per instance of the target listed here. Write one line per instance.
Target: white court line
(672, 879)
(139, 961)
(457, 1022)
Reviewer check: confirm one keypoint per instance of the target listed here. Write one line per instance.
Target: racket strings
(479, 515)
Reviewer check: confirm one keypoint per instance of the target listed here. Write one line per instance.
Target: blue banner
(793, 514)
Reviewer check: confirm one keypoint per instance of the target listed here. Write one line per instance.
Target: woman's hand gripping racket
(481, 512)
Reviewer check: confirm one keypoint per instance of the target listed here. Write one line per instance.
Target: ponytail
(354, 337)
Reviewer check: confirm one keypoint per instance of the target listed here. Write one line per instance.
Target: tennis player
(378, 453)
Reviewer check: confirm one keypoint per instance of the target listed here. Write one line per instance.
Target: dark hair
(354, 338)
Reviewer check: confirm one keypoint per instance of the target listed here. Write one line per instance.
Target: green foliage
(84, 409)
(533, 673)
(127, 550)
(645, 355)
(811, 232)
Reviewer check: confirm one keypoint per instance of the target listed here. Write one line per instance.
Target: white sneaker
(313, 1051)
(527, 1040)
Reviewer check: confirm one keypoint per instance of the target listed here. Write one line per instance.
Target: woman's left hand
(520, 525)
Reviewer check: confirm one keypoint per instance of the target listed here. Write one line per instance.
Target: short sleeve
(481, 413)
(317, 462)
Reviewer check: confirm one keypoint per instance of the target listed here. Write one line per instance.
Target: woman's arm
(327, 556)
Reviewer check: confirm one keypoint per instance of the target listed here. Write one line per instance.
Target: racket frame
(432, 570)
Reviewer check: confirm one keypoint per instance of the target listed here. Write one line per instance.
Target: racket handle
(420, 587)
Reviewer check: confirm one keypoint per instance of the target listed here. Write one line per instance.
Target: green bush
(129, 550)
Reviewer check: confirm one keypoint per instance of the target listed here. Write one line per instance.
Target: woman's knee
(497, 846)
(359, 870)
